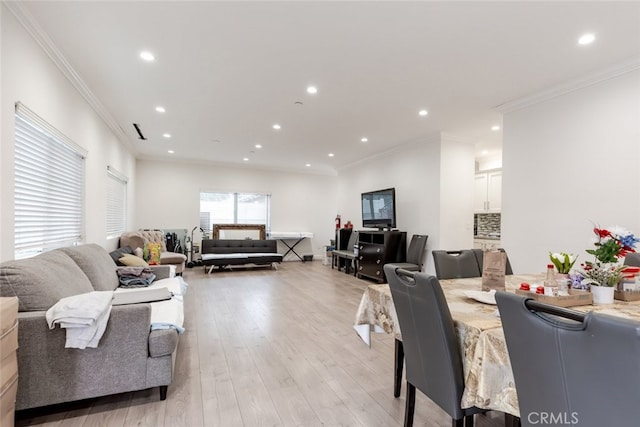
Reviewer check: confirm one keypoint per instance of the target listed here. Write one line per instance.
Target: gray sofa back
(233, 246)
(41, 281)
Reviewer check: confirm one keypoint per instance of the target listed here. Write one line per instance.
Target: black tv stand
(377, 248)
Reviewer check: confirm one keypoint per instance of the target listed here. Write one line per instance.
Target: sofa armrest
(163, 271)
(118, 364)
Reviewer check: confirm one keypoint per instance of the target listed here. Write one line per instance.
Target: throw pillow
(139, 252)
(119, 253)
(152, 253)
(133, 261)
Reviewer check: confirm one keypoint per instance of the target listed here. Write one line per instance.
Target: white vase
(602, 294)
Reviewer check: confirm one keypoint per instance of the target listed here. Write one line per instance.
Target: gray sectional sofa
(130, 356)
(229, 252)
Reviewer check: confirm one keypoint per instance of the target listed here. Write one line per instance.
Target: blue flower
(628, 241)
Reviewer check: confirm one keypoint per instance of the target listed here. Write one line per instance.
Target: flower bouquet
(611, 245)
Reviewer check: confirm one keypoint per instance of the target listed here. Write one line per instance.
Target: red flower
(601, 232)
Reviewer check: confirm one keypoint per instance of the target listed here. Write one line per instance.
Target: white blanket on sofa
(170, 313)
(84, 316)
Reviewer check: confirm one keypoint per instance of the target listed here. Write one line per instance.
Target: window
(49, 187)
(234, 208)
(116, 203)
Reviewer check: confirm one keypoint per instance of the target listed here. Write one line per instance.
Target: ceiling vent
(140, 135)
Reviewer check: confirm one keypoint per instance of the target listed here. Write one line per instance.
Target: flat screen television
(379, 209)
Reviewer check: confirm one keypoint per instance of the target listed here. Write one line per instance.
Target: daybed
(138, 240)
(131, 354)
(227, 252)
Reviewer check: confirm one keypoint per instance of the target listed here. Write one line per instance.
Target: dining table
(489, 382)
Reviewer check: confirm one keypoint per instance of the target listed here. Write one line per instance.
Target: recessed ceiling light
(308, 165)
(586, 39)
(258, 146)
(312, 90)
(484, 152)
(170, 151)
(246, 159)
(276, 126)
(495, 128)
(160, 109)
(166, 135)
(365, 139)
(147, 56)
(331, 154)
(423, 112)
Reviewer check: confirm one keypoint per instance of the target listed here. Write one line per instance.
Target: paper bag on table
(494, 264)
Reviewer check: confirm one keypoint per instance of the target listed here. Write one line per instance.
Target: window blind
(116, 203)
(49, 186)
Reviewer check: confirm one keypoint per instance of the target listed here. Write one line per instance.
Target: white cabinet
(488, 192)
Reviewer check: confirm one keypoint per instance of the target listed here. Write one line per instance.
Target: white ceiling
(227, 71)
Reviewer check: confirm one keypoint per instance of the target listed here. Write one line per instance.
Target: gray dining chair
(415, 253)
(431, 350)
(348, 255)
(581, 369)
(479, 253)
(456, 264)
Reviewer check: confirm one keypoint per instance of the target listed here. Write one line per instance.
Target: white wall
(456, 194)
(569, 163)
(29, 76)
(169, 197)
(433, 178)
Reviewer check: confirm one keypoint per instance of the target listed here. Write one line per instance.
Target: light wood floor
(266, 347)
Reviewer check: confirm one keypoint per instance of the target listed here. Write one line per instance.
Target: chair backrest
(587, 372)
(480, 258)
(632, 259)
(431, 350)
(353, 240)
(456, 264)
(415, 253)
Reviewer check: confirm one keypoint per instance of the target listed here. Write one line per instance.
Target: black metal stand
(291, 247)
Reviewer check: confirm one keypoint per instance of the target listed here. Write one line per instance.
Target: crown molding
(237, 166)
(430, 138)
(26, 19)
(617, 70)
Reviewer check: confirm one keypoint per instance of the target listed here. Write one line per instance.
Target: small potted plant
(563, 263)
(605, 272)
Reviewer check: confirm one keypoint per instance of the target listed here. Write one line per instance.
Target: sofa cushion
(96, 263)
(43, 280)
(172, 258)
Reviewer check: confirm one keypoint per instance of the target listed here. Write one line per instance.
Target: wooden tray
(626, 295)
(574, 298)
